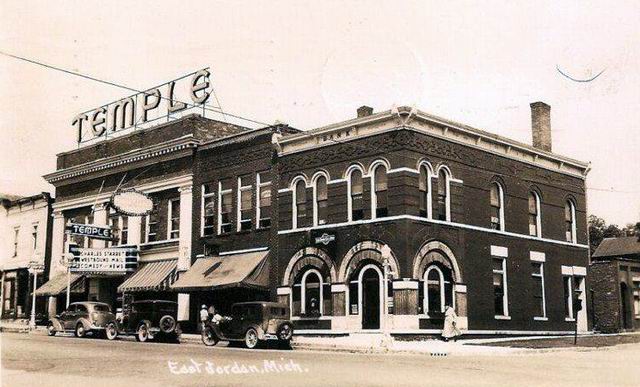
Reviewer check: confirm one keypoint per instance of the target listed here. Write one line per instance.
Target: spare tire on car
(167, 324)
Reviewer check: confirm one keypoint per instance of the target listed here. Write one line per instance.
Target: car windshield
(101, 308)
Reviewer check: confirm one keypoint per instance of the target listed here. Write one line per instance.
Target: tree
(598, 230)
(632, 229)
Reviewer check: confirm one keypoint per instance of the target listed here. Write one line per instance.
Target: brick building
(615, 279)
(25, 229)
(451, 214)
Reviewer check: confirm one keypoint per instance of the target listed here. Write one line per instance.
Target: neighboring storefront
(615, 282)
(25, 227)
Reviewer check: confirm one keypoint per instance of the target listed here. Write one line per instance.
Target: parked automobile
(147, 320)
(251, 323)
(82, 318)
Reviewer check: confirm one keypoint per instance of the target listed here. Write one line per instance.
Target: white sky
(311, 65)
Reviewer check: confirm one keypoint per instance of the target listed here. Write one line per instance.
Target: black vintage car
(147, 320)
(251, 323)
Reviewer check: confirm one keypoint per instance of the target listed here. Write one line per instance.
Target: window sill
(502, 317)
(569, 319)
(541, 318)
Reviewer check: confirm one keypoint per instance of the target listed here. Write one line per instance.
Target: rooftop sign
(144, 106)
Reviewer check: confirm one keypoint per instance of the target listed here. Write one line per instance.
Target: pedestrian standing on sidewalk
(450, 330)
(204, 317)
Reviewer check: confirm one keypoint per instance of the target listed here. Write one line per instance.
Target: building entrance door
(371, 289)
(624, 309)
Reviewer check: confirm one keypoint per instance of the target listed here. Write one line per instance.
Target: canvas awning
(58, 285)
(249, 270)
(155, 276)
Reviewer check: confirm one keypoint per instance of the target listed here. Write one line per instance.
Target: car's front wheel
(51, 330)
(80, 331)
(251, 340)
(143, 333)
(111, 331)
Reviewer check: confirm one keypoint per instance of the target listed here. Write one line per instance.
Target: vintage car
(82, 318)
(251, 323)
(147, 320)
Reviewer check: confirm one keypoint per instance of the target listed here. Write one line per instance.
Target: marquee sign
(138, 108)
(131, 202)
(109, 261)
(90, 230)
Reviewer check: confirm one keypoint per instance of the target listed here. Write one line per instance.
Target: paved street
(37, 360)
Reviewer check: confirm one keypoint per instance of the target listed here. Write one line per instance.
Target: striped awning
(155, 276)
(58, 285)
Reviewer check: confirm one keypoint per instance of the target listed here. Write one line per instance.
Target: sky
(310, 64)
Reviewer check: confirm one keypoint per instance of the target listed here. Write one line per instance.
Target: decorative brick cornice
(179, 144)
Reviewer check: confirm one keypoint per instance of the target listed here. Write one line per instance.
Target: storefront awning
(250, 270)
(58, 285)
(154, 276)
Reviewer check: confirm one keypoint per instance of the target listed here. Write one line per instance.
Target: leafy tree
(598, 230)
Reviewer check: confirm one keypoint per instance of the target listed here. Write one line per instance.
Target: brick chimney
(364, 111)
(541, 125)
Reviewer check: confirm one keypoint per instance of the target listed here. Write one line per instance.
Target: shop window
(568, 297)
(501, 304)
(208, 210)
(534, 214)
(356, 201)
(320, 201)
(16, 236)
(570, 221)
(497, 206)
(636, 299)
(537, 275)
(437, 289)
(296, 295)
(34, 237)
(424, 186)
(442, 207)
(353, 297)
(245, 203)
(300, 203)
(379, 199)
(225, 206)
(263, 208)
(173, 219)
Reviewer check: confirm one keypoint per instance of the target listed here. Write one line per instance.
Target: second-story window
(173, 220)
(245, 203)
(379, 202)
(152, 224)
(497, 207)
(320, 199)
(88, 242)
(225, 206)
(208, 209)
(300, 205)
(112, 222)
(263, 207)
(570, 221)
(443, 195)
(356, 202)
(124, 230)
(425, 192)
(534, 214)
(34, 237)
(16, 235)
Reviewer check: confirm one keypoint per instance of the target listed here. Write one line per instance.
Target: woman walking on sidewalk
(450, 330)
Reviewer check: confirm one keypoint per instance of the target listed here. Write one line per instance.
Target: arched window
(497, 206)
(299, 203)
(535, 225)
(356, 202)
(320, 201)
(379, 192)
(570, 221)
(438, 289)
(311, 293)
(425, 192)
(443, 205)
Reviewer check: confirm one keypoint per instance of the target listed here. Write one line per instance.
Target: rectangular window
(357, 201)
(208, 209)
(34, 237)
(173, 229)
(124, 230)
(568, 297)
(500, 287)
(88, 242)
(16, 235)
(537, 274)
(225, 206)
(152, 224)
(263, 207)
(245, 203)
(112, 221)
